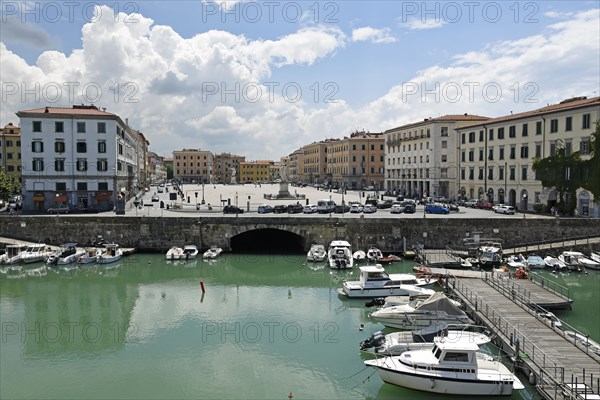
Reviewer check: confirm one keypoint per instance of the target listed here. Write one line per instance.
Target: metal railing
(552, 286)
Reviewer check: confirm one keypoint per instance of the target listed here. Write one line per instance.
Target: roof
(565, 105)
(443, 118)
(372, 268)
(66, 111)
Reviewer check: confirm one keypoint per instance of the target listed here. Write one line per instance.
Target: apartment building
(223, 166)
(157, 171)
(192, 165)
(421, 156)
(314, 165)
(495, 157)
(79, 156)
(357, 162)
(255, 171)
(295, 164)
(10, 151)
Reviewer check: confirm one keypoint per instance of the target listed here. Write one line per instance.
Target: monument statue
(233, 172)
(282, 173)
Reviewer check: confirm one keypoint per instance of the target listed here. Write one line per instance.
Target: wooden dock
(558, 365)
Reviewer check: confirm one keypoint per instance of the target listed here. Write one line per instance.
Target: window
(584, 146)
(81, 147)
(444, 144)
(61, 186)
(524, 130)
(462, 174)
(81, 127)
(512, 131)
(568, 148)
(512, 152)
(363, 147)
(59, 126)
(471, 137)
(569, 124)
(491, 134)
(101, 146)
(553, 125)
(480, 173)
(81, 186)
(372, 147)
(9, 143)
(59, 165)
(481, 136)
(102, 185)
(37, 146)
(456, 357)
(524, 151)
(552, 148)
(102, 165)
(101, 127)
(38, 164)
(480, 154)
(463, 138)
(444, 130)
(490, 173)
(81, 164)
(354, 158)
(523, 173)
(585, 121)
(444, 158)
(501, 173)
(59, 146)
(37, 126)
(538, 150)
(353, 147)
(491, 153)
(538, 128)
(471, 173)
(471, 155)
(372, 158)
(120, 148)
(500, 133)
(462, 156)
(511, 176)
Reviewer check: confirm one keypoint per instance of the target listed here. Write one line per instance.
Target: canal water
(267, 326)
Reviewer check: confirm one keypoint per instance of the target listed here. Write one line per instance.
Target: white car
(494, 208)
(397, 209)
(310, 209)
(369, 209)
(356, 208)
(504, 209)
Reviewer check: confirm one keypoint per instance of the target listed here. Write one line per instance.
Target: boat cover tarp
(439, 302)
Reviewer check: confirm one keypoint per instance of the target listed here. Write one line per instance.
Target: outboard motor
(376, 340)
(376, 302)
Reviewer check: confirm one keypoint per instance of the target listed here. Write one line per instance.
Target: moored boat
(449, 367)
(375, 282)
(374, 254)
(359, 255)
(577, 261)
(190, 252)
(490, 254)
(212, 252)
(67, 253)
(316, 253)
(554, 263)
(174, 253)
(112, 253)
(12, 254)
(35, 253)
(339, 254)
(534, 261)
(90, 256)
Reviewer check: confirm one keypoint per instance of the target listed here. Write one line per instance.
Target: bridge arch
(268, 240)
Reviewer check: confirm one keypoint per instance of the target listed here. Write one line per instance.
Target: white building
(78, 156)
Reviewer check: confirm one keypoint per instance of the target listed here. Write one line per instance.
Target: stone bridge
(289, 234)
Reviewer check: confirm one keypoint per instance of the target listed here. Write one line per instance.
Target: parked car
(460, 202)
(397, 209)
(280, 209)
(310, 209)
(494, 208)
(471, 203)
(341, 208)
(504, 209)
(409, 208)
(384, 204)
(59, 209)
(155, 197)
(486, 206)
(434, 208)
(356, 208)
(295, 208)
(265, 209)
(232, 210)
(369, 209)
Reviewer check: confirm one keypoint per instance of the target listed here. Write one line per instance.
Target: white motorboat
(316, 253)
(67, 253)
(339, 254)
(450, 367)
(374, 254)
(554, 263)
(421, 313)
(90, 256)
(213, 252)
(190, 252)
(584, 341)
(359, 255)
(112, 253)
(576, 260)
(535, 262)
(174, 253)
(549, 318)
(516, 261)
(490, 254)
(595, 257)
(35, 253)
(375, 282)
(396, 343)
(12, 254)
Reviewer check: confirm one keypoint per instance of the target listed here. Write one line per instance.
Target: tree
(563, 172)
(8, 185)
(590, 172)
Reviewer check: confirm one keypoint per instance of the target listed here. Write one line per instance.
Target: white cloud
(421, 24)
(372, 34)
(558, 14)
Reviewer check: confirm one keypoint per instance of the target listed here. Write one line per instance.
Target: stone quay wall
(158, 234)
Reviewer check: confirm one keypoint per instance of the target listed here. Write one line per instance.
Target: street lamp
(203, 191)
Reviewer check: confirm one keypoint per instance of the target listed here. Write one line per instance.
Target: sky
(262, 79)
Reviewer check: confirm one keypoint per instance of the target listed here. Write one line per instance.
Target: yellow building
(10, 151)
(192, 165)
(255, 171)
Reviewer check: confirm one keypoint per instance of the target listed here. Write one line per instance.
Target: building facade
(496, 156)
(192, 165)
(255, 171)
(296, 160)
(223, 166)
(314, 165)
(421, 157)
(79, 156)
(10, 151)
(156, 168)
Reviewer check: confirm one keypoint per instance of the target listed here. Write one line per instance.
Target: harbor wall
(158, 234)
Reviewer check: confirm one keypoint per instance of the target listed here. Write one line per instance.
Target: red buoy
(202, 286)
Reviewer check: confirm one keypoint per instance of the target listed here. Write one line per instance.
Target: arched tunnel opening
(268, 241)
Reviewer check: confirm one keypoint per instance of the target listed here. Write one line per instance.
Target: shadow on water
(268, 241)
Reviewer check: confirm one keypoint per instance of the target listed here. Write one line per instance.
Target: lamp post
(202, 191)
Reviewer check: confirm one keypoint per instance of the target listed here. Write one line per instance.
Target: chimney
(46, 111)
(127, 121)
(465, 114)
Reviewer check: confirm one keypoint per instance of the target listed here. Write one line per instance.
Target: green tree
(563, 172)
(8, 185)
(590, 172)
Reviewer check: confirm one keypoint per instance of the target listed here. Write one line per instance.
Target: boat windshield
(437, 352)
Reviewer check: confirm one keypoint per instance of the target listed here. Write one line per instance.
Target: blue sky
(359, 64)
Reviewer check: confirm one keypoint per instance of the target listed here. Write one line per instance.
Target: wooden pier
(559, 368)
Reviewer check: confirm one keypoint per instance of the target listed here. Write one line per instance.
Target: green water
(266, 326)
